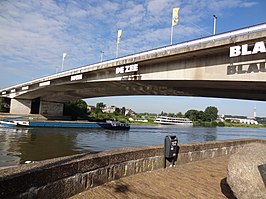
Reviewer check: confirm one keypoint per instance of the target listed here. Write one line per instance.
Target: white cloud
(158, 7)
(133, 14)
(225, 4)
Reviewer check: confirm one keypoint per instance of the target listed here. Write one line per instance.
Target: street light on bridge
(214, 24)
(101, 55)
(63, 59)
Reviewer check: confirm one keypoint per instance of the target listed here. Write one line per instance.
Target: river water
(18, 145)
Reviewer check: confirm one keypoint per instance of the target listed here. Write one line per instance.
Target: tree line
(78, 108)
(4, 105)
(208, 115)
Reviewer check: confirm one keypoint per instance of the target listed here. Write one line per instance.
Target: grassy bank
(150, 122)
(230, 124)
(227, 124)
(208, 124)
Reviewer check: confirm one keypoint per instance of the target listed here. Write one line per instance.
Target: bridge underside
(221, 89)
(39, 101)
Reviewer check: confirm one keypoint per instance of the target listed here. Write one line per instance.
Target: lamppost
(214, 24)
(119, 34)
(101, 55)
(63, 59)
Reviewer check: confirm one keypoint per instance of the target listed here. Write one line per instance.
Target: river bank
(206, 124)
(226, 124)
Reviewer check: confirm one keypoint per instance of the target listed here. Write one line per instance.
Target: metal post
(214, 24)
(63, 58)
(62, 64)
(172, 31)
(116, 50)
(101, 55)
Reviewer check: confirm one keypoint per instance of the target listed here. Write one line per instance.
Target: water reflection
(100, 139)
(9, 145)
(200, 134)
(20, 145)
(40, 144)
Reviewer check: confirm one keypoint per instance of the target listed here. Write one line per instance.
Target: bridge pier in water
(36, 106)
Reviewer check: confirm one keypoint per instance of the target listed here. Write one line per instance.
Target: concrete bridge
(228, 65)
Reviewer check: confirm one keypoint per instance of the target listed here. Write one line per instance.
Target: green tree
(97, 112)
(4, 106)
(211, 113)
(171, 115)
(100, 105)
(201, 116)
(179, 114)
(82, 105)
(76, 109)
(123, 111)
(192, 114)
(163, 114)
(1, 104)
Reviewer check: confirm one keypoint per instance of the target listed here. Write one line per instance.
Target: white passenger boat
(173, 120)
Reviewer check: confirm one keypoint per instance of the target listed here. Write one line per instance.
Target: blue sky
(34, 35)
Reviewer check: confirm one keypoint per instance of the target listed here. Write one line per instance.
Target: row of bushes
(208, 124)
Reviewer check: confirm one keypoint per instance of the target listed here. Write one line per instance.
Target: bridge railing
(230, 34)
(202, 40)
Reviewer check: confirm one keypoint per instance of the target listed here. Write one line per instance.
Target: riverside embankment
(67, 176)
(202, 179)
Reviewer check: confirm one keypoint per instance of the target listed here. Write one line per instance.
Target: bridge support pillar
(36, 106)
(20, 106)
(51, 108)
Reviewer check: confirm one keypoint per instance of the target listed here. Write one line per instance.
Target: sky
(34, 34)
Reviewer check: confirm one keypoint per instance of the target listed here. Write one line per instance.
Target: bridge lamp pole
(63, 59)
(116, 53)
(172, 31)
(119, 34)
(214, 24)
(101, 55)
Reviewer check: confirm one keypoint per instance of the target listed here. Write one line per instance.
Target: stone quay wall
(67, 176)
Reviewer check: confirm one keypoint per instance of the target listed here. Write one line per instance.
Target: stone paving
(202, 179)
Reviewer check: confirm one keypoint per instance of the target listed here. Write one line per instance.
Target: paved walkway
(203, 179)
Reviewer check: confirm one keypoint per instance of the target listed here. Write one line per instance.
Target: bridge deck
(202, 179)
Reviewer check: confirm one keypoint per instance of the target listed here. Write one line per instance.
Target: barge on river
(109, 124)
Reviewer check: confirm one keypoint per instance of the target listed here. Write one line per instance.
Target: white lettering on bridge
(76, 77)
(247, 67)
(127, 69)
(45, 83)
(236, 51)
